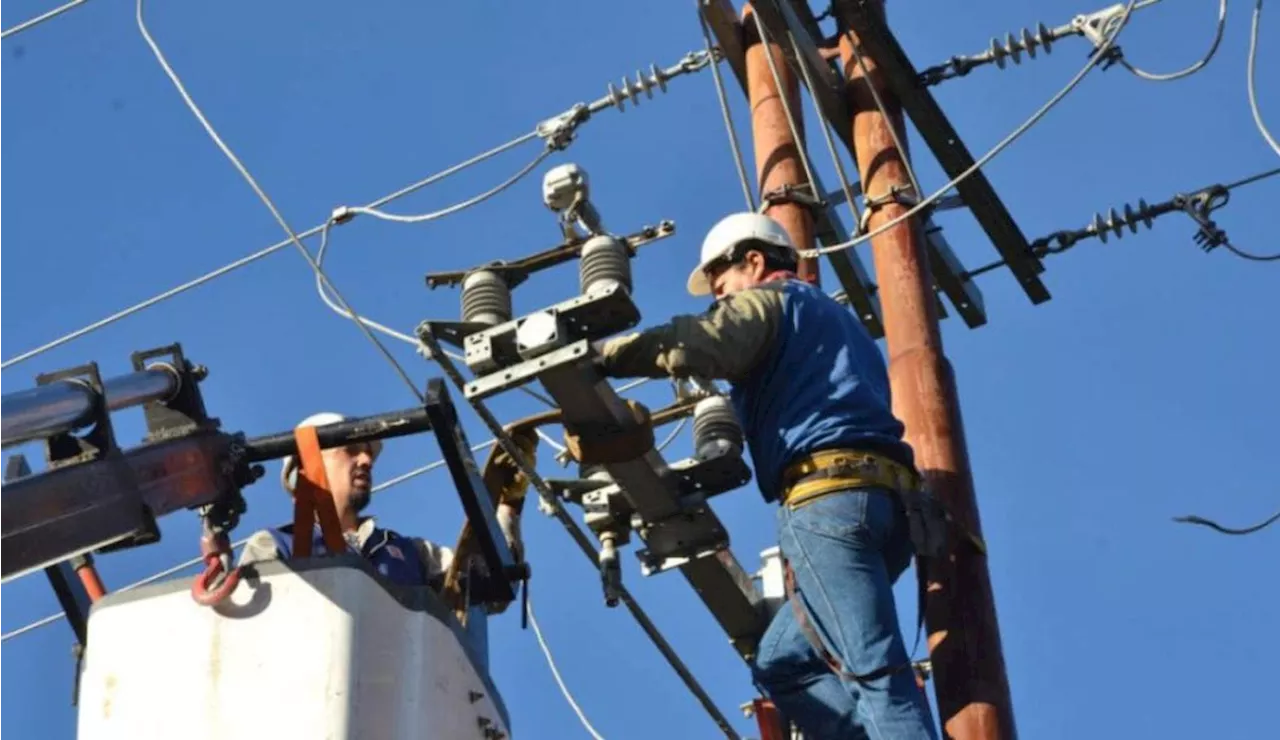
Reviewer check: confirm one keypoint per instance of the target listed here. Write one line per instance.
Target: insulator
(1013, 46)
(715, 426)
(631, 90)
(1116, 223)
(486, 298)
(605, 259)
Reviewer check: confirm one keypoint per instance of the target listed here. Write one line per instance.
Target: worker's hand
(509, 523)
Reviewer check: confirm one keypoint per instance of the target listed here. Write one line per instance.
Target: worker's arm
(261, 547)
(723, 344)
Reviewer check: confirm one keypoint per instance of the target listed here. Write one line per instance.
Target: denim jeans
(847, 549)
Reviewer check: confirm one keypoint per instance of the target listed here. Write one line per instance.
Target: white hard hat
(289, 470)
(728, 233)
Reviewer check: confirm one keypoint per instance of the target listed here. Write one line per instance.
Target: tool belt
(827, 471)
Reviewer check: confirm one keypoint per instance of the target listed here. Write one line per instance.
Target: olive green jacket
(723, 344)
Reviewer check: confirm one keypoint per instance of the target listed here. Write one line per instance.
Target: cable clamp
(800, 195)
(341, 215)
(901, 194)
(1097, 27)
(1198, 206)
(558, 131)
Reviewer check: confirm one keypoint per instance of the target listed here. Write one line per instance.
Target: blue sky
(1143, 390)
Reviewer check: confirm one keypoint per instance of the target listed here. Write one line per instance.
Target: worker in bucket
(811, 391)
(406, 561)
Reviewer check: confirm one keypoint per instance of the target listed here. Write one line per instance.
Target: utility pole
(964, 637)
(778, 165)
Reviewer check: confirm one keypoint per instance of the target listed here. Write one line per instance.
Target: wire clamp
(901, 194)
(558, 131)
(1099, 26)
(800, 195)
(1198, 206)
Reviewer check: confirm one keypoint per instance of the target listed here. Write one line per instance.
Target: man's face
(350, 472)
(730, 279)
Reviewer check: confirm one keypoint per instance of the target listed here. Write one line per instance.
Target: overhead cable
(724, 113)
(1107, 43)
(343, 213)
(1253, 90)
(556, 129)
(1198, 65)
(891, 123)
(826, 135)
(555, 672)
(235, 161)
(1193, 519)
(6, 33)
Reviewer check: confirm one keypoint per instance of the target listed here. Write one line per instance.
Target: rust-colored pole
(777, 153)
(964, 636)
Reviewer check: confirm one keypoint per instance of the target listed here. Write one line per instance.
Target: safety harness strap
(312, 499)
(815, 641)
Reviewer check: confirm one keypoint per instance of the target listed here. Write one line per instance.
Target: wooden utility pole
(778, 165)
(964, 637)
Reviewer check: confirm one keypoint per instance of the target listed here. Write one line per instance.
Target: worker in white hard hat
(811, 391)
(408, 561)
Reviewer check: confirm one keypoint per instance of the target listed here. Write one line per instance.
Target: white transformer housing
(311, 648)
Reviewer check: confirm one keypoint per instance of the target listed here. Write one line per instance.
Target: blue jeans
(847, 549)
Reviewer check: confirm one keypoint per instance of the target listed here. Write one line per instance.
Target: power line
(557, 130)
(1193, 519)
(726, 115)
(1249, 76)
(41, 18)
(555, 673)
(1195, 67)
(244, 172)
(402, 192)
(1252, 179)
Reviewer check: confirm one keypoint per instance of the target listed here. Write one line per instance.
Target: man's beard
(359, 498)
(361, 488)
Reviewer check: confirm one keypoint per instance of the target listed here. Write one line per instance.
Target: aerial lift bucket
(309, 648)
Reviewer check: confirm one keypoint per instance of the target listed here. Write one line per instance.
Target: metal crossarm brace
(879, 43)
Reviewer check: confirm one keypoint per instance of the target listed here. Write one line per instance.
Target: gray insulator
(486, 299)
(715, 427)
(604, 259)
